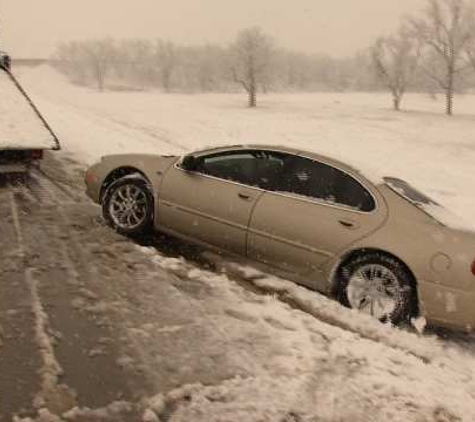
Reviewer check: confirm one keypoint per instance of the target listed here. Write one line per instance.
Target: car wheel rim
(375, 290)
(128, 207)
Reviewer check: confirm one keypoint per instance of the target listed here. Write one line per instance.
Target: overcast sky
(337, 27)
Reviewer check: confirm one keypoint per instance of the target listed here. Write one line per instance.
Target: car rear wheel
(378, 285)
(128, 206)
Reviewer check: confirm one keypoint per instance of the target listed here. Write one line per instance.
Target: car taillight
(36, 154)
(90, 177)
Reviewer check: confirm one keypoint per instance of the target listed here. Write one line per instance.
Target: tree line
(433, 52)
(253, 62)
(437, 45)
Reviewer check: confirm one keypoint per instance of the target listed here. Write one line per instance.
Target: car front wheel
(128, 206)
(378, 285)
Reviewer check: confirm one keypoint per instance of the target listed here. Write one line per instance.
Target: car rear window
(306, 177)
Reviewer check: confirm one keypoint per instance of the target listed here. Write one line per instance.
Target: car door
(213, 203)
(315, 211)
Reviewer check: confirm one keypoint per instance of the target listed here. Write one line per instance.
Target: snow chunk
(150, 416)
(110, 413)
(419, 324)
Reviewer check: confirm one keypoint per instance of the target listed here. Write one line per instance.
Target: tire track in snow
(19, 355)
(64, 275)
(53, 394)
(95, 115)
(147, 130)
(36, 359)
(16, 224)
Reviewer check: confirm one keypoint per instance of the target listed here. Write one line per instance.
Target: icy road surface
(94, 327)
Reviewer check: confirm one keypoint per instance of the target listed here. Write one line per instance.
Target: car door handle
(348, 224)
(244, 195)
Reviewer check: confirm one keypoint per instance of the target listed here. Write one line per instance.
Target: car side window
(306, 177)
(254, 167)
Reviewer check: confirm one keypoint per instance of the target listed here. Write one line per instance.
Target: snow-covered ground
(275, 363)
(339, 366)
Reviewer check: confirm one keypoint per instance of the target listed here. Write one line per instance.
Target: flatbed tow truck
(24, 133)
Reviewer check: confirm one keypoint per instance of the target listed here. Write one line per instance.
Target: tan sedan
(378, 246)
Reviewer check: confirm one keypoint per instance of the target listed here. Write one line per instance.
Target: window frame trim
(301, 198)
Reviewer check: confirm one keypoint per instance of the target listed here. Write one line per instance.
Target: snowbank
(338, 366)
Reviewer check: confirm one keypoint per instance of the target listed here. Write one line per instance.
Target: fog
(337, 27)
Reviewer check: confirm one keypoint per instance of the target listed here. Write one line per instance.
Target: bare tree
(99, 55)
(208, 67)
(166, 58)
(69, 59)
(446, 28)
(395, 60)
(135, 62)
(250, 57)
(470, 52)
(140, 63)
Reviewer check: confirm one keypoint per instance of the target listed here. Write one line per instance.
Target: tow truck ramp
(22, 127)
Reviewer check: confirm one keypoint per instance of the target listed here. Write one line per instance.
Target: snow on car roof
(21, 125)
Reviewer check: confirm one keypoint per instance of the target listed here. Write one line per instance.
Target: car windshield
(405, 190)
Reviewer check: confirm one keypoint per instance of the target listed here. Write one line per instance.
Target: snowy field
(430, 150)
(319, 362)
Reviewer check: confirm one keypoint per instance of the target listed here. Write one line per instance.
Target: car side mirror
(189, 163)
